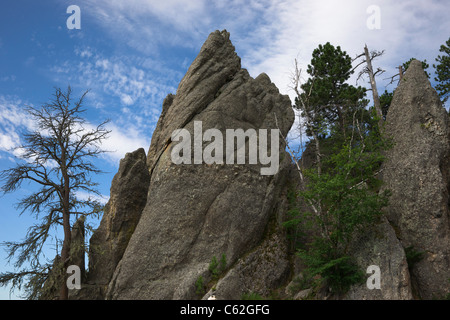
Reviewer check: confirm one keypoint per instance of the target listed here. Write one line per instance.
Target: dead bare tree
(368, 69)
(399, 75)
(56, 157)
(309, 117)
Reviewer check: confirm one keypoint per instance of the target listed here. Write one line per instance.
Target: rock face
(166, 219)
(261, 270)
(380, 247)
(77, 245)
(51, 291)
(264, 269)
(416, 172)
(197, 211)
(128, 197)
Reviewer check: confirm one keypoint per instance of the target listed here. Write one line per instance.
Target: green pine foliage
(331, 100)
(385, 102)
(338, 270)
(350, 202)
(217, 267)
(200, 286)
(413, 256)
(251, 296)
(443, 72)
(223, 263)
(345, 191)
(213, 267)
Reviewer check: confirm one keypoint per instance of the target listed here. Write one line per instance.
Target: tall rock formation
(416, 172)
(128, 196)
(167, 219)
(197, 211)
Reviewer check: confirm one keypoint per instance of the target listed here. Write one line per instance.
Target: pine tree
(385, 102)
(443, 72)
(331, 100)
(340, 188)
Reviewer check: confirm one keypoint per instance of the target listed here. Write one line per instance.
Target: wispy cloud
(127, 90)
(13, 120)
(143, 25)
(407, 29)
(84, 196)
(123, 140)
(269, 34)
(119, 77)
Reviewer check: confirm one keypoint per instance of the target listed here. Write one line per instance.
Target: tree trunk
(65, 256)
(65, 253)
(400, 72)
(373, 84)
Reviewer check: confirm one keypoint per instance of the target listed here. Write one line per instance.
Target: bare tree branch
(57, 157)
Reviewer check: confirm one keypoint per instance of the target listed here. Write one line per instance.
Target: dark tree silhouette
(57, 158)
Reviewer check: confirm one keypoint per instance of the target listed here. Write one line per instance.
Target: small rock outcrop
(122, 212)
(380, 247)
(197, 211)
(416, 172)
(261, 271)
(51, 288)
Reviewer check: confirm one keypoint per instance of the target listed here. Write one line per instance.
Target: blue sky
(131, 54)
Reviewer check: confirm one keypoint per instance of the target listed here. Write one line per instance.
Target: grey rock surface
(380, 247)
(197, 211)
(258, 272)
(165, 222)
(77, 251)
(416, 172)
(56, 277)
(122, 212)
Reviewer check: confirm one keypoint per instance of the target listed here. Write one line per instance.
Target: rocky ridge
(165, 222)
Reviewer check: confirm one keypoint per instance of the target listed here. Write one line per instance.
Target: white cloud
(83, 195)
(85, 52)
(123, 140)
(11, 78)
(267, 34)
(12, 112)
(143, 24)
(407, 29)
(126, 99)
(13, 119)
(117, 77)
(6, 141)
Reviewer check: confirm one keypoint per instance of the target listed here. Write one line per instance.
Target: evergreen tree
(331, 100)
(443, 72)
(340, 190)
(385, 102)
